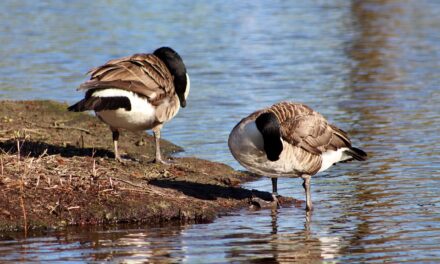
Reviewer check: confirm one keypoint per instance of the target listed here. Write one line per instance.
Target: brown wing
(144, 74)
(307, 129)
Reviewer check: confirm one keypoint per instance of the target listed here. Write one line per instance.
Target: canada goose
(139, 92)
(290, 140)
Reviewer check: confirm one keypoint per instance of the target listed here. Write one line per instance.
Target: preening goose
(290, 140)
(139, 92)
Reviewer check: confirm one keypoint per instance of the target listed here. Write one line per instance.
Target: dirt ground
(58, 169)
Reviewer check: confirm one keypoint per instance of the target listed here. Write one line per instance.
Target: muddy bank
(57, 169)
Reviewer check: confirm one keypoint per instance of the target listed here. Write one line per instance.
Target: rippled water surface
(371, 67)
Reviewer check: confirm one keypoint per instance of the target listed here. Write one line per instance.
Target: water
(371, 67)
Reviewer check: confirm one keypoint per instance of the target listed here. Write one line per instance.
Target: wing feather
(141, 73)
(307, 129)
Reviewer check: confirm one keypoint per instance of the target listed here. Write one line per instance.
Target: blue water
(371, 67)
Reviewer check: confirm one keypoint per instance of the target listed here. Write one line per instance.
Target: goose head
(177, 68)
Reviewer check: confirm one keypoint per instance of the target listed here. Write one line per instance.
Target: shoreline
(58, 170)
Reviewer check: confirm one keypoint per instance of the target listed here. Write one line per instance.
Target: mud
(58, 169)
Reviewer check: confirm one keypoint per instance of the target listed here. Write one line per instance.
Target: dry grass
(52, 190)
(57, 169)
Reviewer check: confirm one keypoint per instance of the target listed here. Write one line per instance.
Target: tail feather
(101, 103)
(357, 154)
(79, 106)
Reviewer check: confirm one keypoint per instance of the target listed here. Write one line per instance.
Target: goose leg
(156, 132)
(306, 185)
(275, 191)
(115, 136)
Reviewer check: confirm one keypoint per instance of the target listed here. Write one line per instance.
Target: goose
(290, 139)
(138, 92)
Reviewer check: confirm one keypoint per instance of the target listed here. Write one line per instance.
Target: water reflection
(371, 67)
(138, 244)
(274, 247)
(177, 244)
(378, 78)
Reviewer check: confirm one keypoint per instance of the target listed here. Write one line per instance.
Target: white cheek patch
(188, 86)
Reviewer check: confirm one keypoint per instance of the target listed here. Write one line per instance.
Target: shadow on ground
(210, 191)
(37, 148)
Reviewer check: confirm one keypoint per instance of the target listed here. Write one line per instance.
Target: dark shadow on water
(211, 191)
(38, 148)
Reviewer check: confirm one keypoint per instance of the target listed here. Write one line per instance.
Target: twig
(73, 207)
(110, 178)
(129, 183)
(43, 154)
(18, 149)
(22, 207)
(134, 190)
(35, 131)
(149, 191)
(52, 210)
(71, 127)
(31, 160)
(143, 189)
(51, 188)
(106, 190)
(94, 171)
(38, 181)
